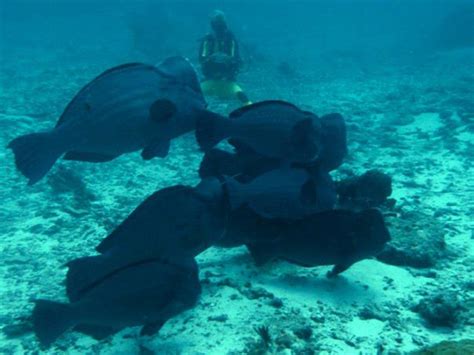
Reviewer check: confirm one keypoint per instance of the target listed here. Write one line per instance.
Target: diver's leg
(208, 87)
(240, 94)
(242, 97)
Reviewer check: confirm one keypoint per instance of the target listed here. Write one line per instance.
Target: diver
(220, 61)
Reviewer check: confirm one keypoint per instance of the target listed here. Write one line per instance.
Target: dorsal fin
(113, 70)
(124, 66)
(180, 69)
(240, 111)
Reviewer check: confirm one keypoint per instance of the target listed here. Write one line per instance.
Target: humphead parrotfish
(333, 148)
(127, 108)
(287, 193)
(337, 237)
(145, 293)
(244, 167)
(245, 164)
(275, 129)
(175, 222)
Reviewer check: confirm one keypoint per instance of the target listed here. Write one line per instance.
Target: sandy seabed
(416, 124)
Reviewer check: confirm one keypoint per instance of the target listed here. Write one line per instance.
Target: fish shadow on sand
(282, 278)
(229, 257)
(341, 289)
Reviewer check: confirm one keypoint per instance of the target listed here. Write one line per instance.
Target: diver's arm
(204, 51)
(235, 55)
(236, 51)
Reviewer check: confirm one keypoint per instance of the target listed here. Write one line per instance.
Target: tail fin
(234, 192)
(50, 320)
(211, 128)
(35, 154)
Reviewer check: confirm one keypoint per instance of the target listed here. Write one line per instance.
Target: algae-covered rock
(461, 347)
(417, 241)
(440, 310)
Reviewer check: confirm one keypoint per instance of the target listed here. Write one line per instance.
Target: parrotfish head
(307, 140)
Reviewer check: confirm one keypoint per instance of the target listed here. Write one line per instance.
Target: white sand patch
(428, 122)
(365, 328)
(43, 228)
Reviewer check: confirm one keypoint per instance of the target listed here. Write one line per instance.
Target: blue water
(400, 72)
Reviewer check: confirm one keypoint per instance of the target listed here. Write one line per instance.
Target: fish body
(333, 147)
(173, 220)
(244, 167)
(245, 164)
(272, 128)
(337, 237)
(127, 108)
(175, 223)
(146, 293)
(283, 193)
(247, 227)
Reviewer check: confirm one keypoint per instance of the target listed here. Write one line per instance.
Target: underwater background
(400, 72)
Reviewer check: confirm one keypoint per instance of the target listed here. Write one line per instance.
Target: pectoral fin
(337, 269)
(157, 149)
(162, 110)
(152, 328)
